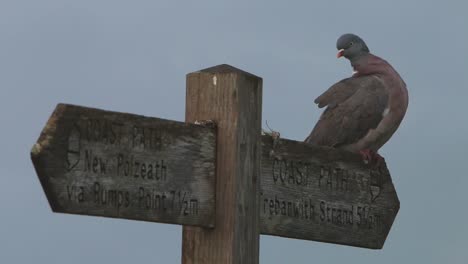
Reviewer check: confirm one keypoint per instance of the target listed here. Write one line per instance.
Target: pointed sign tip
(36, 150)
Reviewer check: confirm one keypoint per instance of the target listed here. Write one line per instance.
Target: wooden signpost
(214, 174)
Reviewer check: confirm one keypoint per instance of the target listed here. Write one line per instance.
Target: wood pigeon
(364, 110)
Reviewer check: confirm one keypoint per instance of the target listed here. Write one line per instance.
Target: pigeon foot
(371, 157)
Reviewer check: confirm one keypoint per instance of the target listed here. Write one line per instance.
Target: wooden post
(233, 100)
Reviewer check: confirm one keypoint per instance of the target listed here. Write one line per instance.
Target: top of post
(226, 68)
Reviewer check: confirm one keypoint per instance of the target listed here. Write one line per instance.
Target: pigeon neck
(358, 58)
(359, 61)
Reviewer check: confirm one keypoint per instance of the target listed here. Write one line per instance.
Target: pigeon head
(351, 47)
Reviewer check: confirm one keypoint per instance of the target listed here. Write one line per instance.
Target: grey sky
(132, 56)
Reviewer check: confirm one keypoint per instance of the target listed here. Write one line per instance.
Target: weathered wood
(102, 163)
(324, 194)
(233, 99)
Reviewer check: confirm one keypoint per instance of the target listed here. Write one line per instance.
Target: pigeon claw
(371, 157)
(366, 155)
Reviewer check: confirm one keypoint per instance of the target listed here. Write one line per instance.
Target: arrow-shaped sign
(103, 163)
(324, 194)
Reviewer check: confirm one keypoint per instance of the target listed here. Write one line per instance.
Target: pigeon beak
(340, 53)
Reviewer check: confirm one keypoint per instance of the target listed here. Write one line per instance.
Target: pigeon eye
(351, 43)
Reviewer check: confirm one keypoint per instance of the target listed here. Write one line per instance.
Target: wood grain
(103, 163)
(324, 194)
(233, 99)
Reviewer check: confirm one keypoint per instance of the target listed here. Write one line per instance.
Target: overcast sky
(132, 56)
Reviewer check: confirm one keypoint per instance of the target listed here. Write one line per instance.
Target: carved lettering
(184, 204)
(110, 197)
(193, 206)
(336, 215)
(152, 200)
(367, 219)
(291, 172)
(321, 212)
(103, 131)
(75, 193)
(94, 163)
(128, 166)
(146, 138)
(302, 209)
(175, 202)
(335, 179)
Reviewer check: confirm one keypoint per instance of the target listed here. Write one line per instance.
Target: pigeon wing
(354, 106)
(337, 93)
